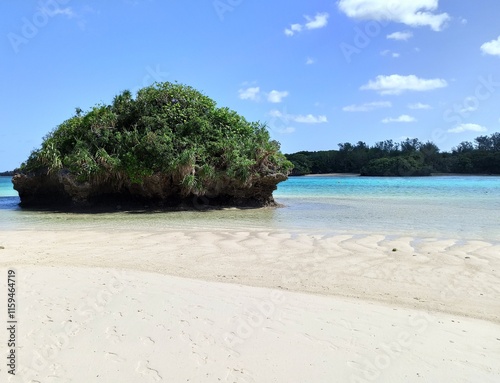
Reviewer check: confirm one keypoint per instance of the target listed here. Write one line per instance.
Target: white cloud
(492, 47)
(276, 96)
(367, 107)
(310, 61)
(254, 94)
(402, 36)
(467, 128)
(287, 130)
(310, 119)
(276, 113)
(52, 9)
(250, 93)
(419, 105)
(414, 13)
(387, 52)
(319, 21)
(470, 104)
(397, 84)
(402, 118)
(293, 29)
(68, 11)
(307, 119)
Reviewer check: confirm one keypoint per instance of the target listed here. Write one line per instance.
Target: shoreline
(209, 305)
(136, 326)
(362, 266)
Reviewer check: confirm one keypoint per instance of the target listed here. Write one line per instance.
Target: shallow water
(465, 207)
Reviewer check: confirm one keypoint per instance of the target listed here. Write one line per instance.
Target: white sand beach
(252, 306)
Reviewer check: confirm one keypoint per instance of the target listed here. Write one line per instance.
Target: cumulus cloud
(302, 119)
(319, 21)
(388, 52)
(402, 36)
(414, 13)
(419, 105)
(402, 118)
(492, 47)
(309, 119)
(470, 105)
(288, 130)
(294, 28)
(252, 93)
(310, 61)
(276, 113)
(397, 84)
(367, 107)
(467, 128)
(57, 11)
(276, 96)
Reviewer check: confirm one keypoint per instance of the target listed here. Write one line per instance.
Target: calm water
(448, 206)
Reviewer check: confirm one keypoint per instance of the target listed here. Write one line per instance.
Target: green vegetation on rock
(168, 143)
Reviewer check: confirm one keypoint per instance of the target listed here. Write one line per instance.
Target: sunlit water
(449, 206)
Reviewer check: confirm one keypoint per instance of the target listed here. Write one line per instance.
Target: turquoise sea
(465, 207)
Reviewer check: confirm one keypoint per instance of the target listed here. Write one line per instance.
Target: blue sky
(318, 72)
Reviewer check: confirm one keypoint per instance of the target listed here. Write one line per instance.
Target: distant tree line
(8, 173)
(407, 158)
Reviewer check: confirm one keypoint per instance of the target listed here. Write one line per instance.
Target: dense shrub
(168, 129)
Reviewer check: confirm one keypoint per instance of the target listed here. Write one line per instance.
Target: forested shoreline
(410, 157)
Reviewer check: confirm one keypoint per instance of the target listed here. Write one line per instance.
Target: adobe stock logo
(221, 7)
(363, 37)
(458, 114)
(485, 88)
(31, 26)
(154, 75)
(280, 122)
